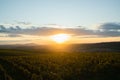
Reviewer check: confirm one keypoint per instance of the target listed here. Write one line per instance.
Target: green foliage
(62, 66)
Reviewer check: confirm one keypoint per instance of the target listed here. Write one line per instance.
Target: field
(23, 65)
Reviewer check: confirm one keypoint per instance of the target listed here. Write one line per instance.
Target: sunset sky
(34, 21)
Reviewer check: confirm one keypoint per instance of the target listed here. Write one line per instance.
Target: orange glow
(60, 38)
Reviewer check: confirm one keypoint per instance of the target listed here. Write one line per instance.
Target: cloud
(109, 29)
(10, 29)
(9, 35)
(104, 30)
(110, 26)
(44, 31)
(2, 28)
(23, 23)
(14, 35)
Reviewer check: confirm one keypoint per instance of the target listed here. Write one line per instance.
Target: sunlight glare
(60, 38)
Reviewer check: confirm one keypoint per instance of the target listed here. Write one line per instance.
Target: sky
(61, 12)
(98, 19)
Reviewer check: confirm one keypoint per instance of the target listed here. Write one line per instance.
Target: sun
(60, 38)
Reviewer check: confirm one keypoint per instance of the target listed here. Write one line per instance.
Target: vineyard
(61, 66)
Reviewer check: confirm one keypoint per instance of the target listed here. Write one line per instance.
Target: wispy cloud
(23, 23)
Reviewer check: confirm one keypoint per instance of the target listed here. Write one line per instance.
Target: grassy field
(23, 65)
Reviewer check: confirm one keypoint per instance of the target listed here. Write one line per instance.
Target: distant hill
(96, 47)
